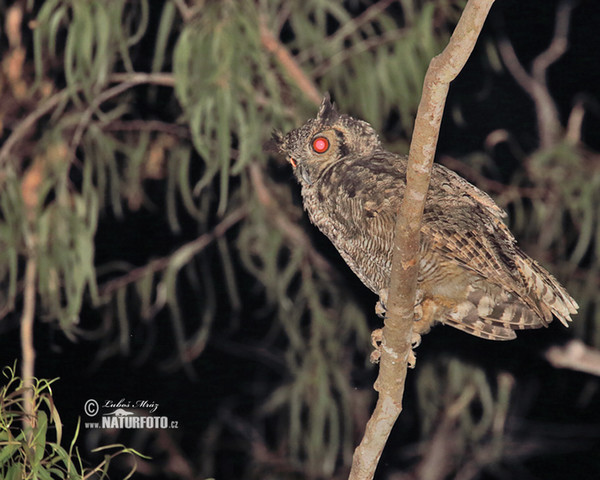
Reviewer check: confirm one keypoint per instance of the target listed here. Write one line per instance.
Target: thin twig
(558, 44)
(128, 80)
(136, 78)
(146, 125)
(356, 49)
(28, 122)
(575, 123)
(575, 355)
(397, 331)
(179, 257)
(273, 45)
(349, 28)
(27, 346)
(535, 84)
(372, 12)
(186, 12)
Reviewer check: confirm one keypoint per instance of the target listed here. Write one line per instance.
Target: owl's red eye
(320, 144)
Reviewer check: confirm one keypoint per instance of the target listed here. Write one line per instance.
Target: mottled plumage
(472, 275)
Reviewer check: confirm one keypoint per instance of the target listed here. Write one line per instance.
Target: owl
(472, 275)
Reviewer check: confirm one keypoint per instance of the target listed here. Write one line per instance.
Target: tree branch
(575, 355)
(129, 80)
(179, 257)
(273, 45)
(397, 331)
(28, 122)
(535, 84)
(27, 346)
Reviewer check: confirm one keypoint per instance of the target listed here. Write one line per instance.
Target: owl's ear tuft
(274, 144)
(327, 112)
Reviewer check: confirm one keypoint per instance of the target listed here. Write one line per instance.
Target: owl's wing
(509, 291)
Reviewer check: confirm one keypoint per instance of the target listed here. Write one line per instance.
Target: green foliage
(35, 451)
(231, 98)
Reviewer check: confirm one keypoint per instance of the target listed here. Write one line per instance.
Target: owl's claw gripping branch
(380, 305)
(377, 339)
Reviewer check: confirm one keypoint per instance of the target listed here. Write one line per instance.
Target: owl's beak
(293, 162)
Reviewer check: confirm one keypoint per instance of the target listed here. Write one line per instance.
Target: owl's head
(323, 141)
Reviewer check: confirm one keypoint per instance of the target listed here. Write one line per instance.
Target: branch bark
(397, 331)
(27, 345)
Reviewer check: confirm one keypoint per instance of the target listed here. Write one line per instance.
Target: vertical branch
(27, 347)
(397, 331)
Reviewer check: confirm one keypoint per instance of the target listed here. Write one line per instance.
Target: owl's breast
(363, 238)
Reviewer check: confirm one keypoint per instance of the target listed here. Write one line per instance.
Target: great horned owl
(472, 275)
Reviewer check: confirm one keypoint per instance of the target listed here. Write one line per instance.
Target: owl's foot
(425, 313)
(376, 339)
(415, 341)
(380, 307)
(412, 359)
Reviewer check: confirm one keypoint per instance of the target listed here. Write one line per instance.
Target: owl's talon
(376, 339)
(415, 340)
(418, 312)
(380, 310)
(412, 359)
(375, 356)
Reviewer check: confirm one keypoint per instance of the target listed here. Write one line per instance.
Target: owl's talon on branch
(380, 308)
(412, 359)
(376, 338)
(415, 340)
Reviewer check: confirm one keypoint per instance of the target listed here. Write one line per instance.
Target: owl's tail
(544, 291)
(496, 315)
